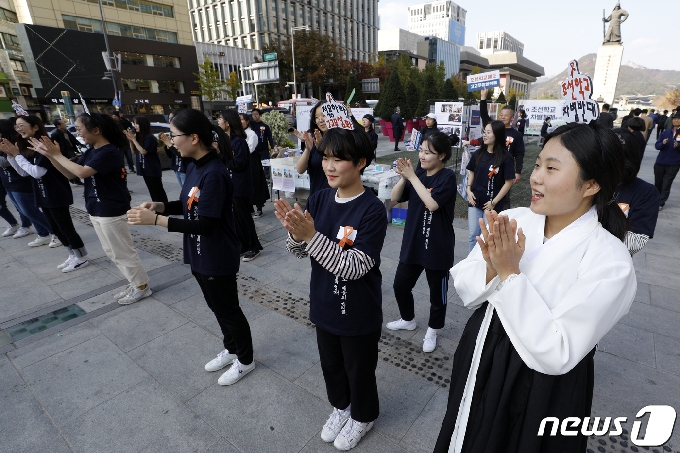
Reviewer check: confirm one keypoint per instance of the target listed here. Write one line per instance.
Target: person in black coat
(397, 127)
(544, 129)
(68, 144)
(367, 122)
(605, 118)
(430, 125)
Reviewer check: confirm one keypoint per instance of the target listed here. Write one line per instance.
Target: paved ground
(131, 379)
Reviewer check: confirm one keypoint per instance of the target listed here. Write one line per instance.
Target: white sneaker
(40, 240)
(66, 263)
(334, 424)
(223, 359)
(400, 324)
(430, 340)
(55, 242)
(10, 231)
(22, 231)
(135, 295)
(75, 264)
(235, 372)
(351, 434)
(123, 293)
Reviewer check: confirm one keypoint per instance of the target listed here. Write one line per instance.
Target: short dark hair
(507, 107)
(440, 143)
(57, 122)
(600, 157)
(256, 110)
(645, 111)
(631, 151)
(107, 126)
(665, 112)
(637, 124)
(637, 112)
(605, 106)
(115, 113)
(347, 144)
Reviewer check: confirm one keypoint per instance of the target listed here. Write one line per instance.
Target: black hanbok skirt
(510, 400)
(260, 187)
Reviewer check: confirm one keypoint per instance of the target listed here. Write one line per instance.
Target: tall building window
(143, 6)
(9, 16)
(129, 31)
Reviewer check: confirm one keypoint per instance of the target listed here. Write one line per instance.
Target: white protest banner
(242, 108)
(483, 80)
(246, 99)
(416, 140)
(336, 114)
(449, 113)
(577, 91)
(537, 111)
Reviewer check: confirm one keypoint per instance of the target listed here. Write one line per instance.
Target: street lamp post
(108, 54)
(292, 49)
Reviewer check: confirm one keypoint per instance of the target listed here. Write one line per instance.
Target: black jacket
(63, 141)
(397, 122)
(606, 120)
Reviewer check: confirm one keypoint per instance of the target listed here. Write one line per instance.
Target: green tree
(354, 84)
(501, 99)
(279, 126)
(449, 91)
(428, 93)
(412, 99)
(403, 66)
(209, 82)
(391, 96)
(233, 85)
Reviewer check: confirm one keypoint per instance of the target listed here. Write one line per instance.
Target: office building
(438, 49)
(225, 60)
(398, 39)
(493, 41)
(442, 19)
(253, 24)
(14, 79)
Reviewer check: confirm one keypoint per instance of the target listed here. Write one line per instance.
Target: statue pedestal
(606, 74)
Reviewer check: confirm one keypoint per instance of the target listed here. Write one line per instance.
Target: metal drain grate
(44, 322)
(621, 444)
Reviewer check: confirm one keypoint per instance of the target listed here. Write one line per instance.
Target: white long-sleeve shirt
(251, 139)
(25, 168)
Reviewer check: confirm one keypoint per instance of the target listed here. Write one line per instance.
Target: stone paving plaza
(131, 378)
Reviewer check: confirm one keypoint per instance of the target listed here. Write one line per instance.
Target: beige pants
(114, 234)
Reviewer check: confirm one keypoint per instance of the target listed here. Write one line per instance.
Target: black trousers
(245, 225)
(397, 137)
(221, 295)
(348, 364)
(405, 279)
(128, 156)
(156, 190)
(61, 225)
(663, 179)
(659, 130)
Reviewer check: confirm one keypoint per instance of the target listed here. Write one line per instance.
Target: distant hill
(633, 80)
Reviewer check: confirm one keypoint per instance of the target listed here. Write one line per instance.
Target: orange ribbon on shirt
(494, 170)
(192, 198)
(347, 232)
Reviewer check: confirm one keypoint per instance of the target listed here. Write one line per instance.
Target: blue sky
(554, 32)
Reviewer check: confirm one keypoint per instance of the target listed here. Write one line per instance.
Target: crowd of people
(589, 212)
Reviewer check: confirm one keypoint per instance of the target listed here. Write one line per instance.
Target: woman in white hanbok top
(547, 283)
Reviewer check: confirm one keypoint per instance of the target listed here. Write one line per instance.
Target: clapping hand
(131, 135)
(8, 147)
(404, 168)
(44, 146)
(299, 224)
(499, 248)
(141, 216)
(317, 137)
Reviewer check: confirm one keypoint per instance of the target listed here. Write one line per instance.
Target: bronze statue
(615, 19)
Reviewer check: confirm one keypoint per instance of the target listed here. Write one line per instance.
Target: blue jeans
(4, 212)
(25, 203)
(474, 214)
(181, 177)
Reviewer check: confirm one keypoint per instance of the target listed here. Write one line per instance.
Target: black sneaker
(257, 214)
(132, 170)
(251, 255)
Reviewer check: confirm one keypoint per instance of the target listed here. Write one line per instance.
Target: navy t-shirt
(13, 182)
(484, 187)
(428, 236)
(216, 253)
(149, 164)
(337, 305)
(52, 190)
(639, 201)
(240, 168)
(106, 192)
(317, 177)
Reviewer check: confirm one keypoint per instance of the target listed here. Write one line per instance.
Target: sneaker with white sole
(250, 255)
(55, 242)
(135, 295)
(430, 340)
(334, 424)
(223, 359)
(40, 240)
(66, 263)
(76, 264)
(400, 324)
(257, 214)
(351, 434)
(123, 293)
(236, 371)
(10, 231)
(22, 231)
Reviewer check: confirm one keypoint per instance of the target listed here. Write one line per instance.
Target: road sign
(269, 56)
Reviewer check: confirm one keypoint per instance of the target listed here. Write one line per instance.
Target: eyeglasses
(172, 136)
(18, 127)
(320, 118)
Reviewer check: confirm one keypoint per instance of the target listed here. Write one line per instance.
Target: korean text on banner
(336, 114)
(483, 80)
(577, 91)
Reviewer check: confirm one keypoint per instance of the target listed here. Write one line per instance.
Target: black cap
(676, 115)
(370, 118)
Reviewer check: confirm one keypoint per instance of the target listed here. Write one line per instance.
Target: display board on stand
(537, 111)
